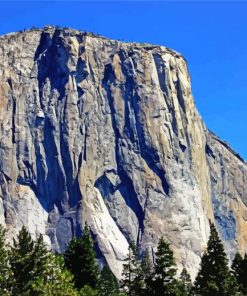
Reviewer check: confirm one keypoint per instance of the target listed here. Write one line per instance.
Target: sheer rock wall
(106, 132)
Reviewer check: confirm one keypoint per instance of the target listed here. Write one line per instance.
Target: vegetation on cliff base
(214, 277)
(27, 267)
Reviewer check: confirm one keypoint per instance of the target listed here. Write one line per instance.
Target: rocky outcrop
(106, 132)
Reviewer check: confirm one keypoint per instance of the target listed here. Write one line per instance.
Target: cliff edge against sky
(106, 132)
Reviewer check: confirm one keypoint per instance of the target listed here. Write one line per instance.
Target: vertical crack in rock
(97, 130)
(148, 153)
(52, 57)
(126, 187)
(13, 111)
(160, 68)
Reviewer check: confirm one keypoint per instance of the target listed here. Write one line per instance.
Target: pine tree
(56, 281)
(146, 270)
(239, 270)
(243, 280)
(185, 283)
(107, 284)
(214, 277)
(131, 282)
(5, 272)
(41, 258)
(22, 262)
(31, 264)
(237, 266)
(164, 282)
(80, 259)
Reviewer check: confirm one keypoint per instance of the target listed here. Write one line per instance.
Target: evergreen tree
(56, 281)
(243, 280)
(37, 271)
(5, 272)
(88, 291)
(22, 262)
(131, 282)
(236, 267)
(146, 270)
(40, 257)
(107, 284)
(239, 270)
(214, 277)
(164, 282)
(80, 259)
(185, 283)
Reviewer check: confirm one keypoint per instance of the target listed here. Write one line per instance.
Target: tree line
(27, 267)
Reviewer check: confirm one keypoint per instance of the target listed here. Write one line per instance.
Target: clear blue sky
(211, 35)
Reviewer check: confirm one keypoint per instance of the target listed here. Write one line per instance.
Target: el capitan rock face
(105, 132)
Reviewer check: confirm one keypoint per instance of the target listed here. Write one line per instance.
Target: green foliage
(56, 281)
(237, 266)
(88, 291)
(28, 268)
(146, 272)
(164, 282)
(141, 279)
(37, 271)
(214, 277)
(28, 261)
(5, 271)
(107, 284)
(80, 259)
(132, 283)
(239, 270)
(185, 283)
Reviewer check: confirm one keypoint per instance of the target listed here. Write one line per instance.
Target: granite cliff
(106, 132)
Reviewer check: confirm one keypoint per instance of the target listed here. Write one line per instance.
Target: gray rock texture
(106, 132)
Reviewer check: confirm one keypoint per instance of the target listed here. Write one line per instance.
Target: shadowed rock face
(105, 132)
